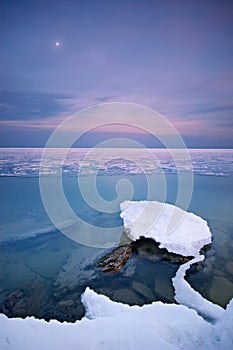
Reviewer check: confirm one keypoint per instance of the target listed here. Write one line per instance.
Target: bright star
(57, 43)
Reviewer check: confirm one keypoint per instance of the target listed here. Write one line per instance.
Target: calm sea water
(43, 273)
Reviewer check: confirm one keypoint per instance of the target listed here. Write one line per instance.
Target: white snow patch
(186, 295)
(176, 230)
(224, 328)
(117, 326)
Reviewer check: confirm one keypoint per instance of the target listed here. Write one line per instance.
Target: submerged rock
(77, 271)
(147, 248)
(32, 300)
(219, 273)
(222, 247)
(114, 261)
(221, 290)
(142, 289)
(229, 267)
(131, 267)
(66, 303)
(26, 300)
(128, 296)
(17, 303)
(164, 289)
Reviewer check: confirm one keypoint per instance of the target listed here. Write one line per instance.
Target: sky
(173, 56)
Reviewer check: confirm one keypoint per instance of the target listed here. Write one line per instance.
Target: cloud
(49, 123)
(23, 105)
(187, 111)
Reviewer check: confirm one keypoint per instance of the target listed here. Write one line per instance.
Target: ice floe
(176, 230)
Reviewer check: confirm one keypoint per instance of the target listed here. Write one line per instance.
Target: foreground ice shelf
(111, 325)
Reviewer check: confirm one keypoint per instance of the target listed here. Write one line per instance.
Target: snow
(224, 328)
(176, 230)
(110, 325)
(197, 324)
(186, 295)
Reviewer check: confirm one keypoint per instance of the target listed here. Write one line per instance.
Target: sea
(45, 264)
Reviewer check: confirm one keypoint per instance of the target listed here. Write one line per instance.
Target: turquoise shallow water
(43, 273)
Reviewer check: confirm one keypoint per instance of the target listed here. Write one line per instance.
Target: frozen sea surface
(26, 161)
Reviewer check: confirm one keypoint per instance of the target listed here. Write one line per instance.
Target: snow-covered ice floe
(111, 325)
(176, 230)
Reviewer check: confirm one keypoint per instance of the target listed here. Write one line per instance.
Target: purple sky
(173, 56)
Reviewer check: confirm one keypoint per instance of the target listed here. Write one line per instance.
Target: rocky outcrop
(114, 261)
(146, 248)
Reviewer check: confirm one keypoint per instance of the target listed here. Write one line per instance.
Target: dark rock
(79, 269)
(229, 267)
(221, 291)
(164, 289)
(31, 301)
(17, 303)
(114, 261)
(127, 296)
(147, 248)
(142, 289)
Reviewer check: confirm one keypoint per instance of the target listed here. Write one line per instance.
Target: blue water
(47, 272)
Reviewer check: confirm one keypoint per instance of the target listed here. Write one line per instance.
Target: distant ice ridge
(111, 325)
(113, 161)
